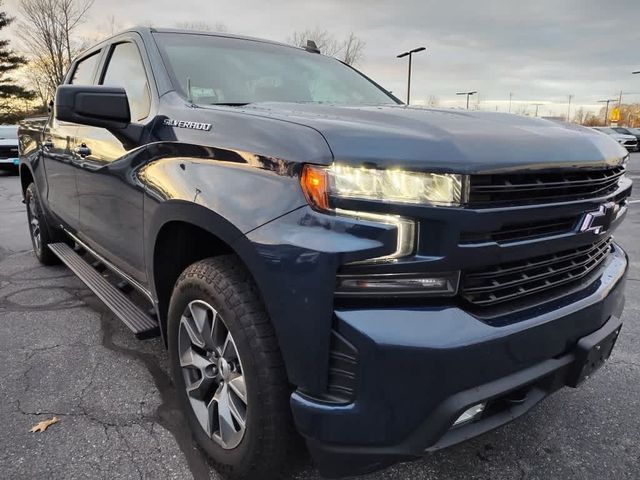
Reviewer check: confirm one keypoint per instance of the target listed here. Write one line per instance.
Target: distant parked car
(629, 131)
(9, 148)
(630, 142)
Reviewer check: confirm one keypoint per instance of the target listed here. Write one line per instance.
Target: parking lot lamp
(410, 53)
(606, 110)
(468, 94)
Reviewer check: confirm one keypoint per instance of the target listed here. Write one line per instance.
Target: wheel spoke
(190, 328)
(229, 351)
(227, 431)
(218, 335)
(238, 387)
(209, 329)
(199, 315)
(203, 412)
(190, 358)
(200, 388)
(238, 411)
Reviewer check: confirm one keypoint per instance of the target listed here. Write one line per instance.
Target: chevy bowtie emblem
(600, 220)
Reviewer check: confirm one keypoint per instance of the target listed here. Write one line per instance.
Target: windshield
(8, 132)
(224, 70)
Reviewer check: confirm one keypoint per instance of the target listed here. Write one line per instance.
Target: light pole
(606, 110)
(510, 98)
(569, 109)
(410, 53)
(537, 105)
(468, 94)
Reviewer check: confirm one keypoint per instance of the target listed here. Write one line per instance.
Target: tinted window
(83, 74)
(230, 70)
(125, 69)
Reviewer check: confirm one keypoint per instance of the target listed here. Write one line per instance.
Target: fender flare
(201, 217)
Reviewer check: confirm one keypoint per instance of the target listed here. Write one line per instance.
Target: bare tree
(433, 101)
(47, 32)
(327, 44)
(33, 75)
(203, 26)
(578, 117)
(349, 50)
(113, 26)
(352, 50)
(591, 120)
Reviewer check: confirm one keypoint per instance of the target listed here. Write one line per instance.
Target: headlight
(322, 184)
(394, 185)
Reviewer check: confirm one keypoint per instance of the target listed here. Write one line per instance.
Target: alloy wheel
(34, 223)
(213, 374)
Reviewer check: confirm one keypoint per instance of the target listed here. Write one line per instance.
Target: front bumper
(420, 368)
(10, 161)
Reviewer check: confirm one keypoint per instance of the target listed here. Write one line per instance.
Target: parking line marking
(634, 201)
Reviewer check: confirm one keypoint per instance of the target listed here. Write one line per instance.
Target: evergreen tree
(10, 91)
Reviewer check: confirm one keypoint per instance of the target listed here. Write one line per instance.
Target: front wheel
(228, 370)
(38, 227)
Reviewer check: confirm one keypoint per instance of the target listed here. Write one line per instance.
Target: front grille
(8, 152)
(509, 281)
(526, 188)
(343, 362)
(517, 232)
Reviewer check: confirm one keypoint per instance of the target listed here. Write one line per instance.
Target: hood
(11, 142)
(623, 136)
(446, 140)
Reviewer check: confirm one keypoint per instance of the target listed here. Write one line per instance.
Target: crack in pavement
(168, 414)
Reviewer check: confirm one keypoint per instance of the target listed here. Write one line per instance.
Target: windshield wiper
(232, 104)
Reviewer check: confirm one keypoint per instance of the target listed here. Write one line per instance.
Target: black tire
(35, 213)
(224, 283)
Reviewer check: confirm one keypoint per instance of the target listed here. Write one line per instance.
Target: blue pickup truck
(322, 261)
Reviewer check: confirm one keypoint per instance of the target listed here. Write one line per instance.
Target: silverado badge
(184, 124)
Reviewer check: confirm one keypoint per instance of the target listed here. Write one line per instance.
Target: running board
(141, 324)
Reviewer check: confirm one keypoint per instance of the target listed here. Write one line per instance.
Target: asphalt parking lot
(63, 354)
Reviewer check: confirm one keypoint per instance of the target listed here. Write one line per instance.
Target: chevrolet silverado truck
(322, 261)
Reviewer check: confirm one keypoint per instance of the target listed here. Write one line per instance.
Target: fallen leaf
(42, 426)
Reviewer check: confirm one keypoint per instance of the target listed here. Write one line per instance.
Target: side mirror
(98, 106)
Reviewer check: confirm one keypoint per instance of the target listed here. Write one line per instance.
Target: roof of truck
(151, 30)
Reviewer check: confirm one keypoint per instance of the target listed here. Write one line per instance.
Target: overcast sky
(541, 50)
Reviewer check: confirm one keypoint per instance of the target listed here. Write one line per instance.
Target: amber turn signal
(315, 187)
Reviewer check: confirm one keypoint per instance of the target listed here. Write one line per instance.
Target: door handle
(83, 150)
(47, 144)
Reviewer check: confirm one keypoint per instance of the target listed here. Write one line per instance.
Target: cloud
(541, 51)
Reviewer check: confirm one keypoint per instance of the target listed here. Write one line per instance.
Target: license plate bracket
(591, 353)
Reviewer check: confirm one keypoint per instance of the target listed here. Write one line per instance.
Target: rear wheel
(38, 227)
(228, 369)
